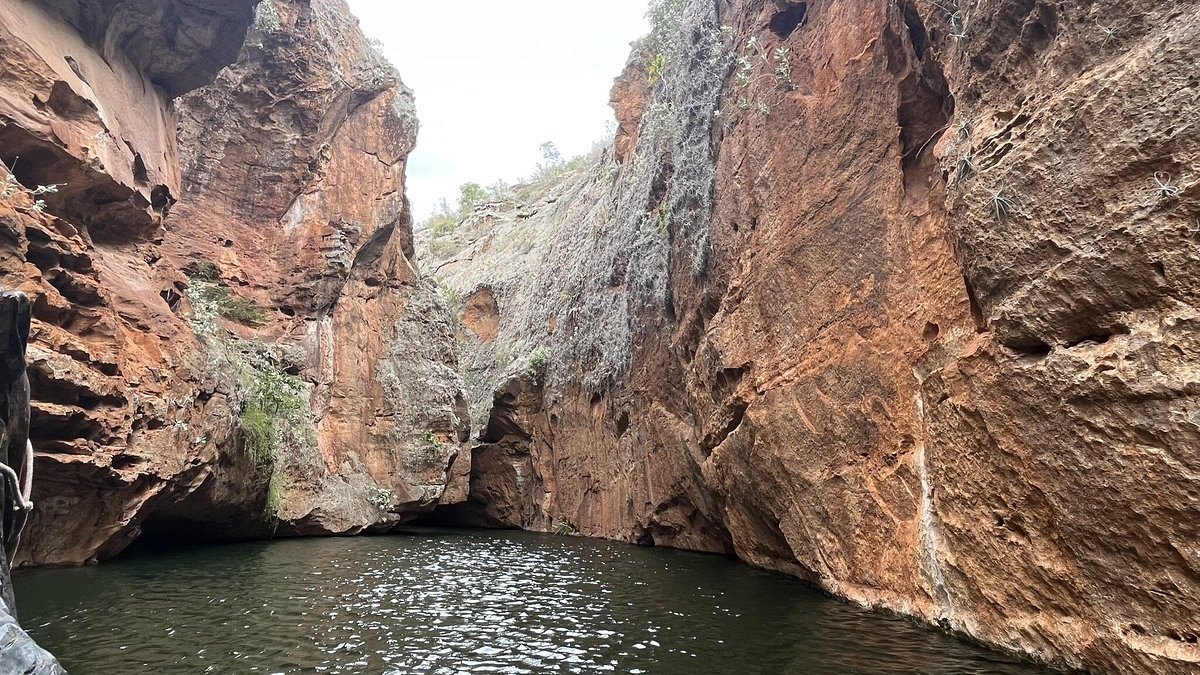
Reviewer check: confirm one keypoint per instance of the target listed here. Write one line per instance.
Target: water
(464, 602)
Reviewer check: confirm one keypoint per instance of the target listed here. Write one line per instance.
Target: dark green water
(464, 602)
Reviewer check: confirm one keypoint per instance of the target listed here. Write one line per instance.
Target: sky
(495, 80)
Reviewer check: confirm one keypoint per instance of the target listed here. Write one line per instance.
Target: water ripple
(448, 603)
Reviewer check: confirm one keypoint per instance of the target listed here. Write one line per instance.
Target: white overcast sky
(496, 79)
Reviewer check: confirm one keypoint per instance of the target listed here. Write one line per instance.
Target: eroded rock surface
(294, 165)
(122, 418)
(261, 253)
(907, 309)
(18, 652)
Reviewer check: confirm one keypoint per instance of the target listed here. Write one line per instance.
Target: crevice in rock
(140, 173)
(977, 314)
(622, 426)
(727, 381)
(109, 211)
(917, 34)
(503, 421)
(161, 199)
(369, 253)
(1028, 346)
(1098, 338)
(925, 104)
(69, 105)
(788, 20)
(736, 415)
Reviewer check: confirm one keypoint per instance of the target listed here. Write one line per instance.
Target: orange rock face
(294, 165)
(122, 415)
(929, 345)
(628, 102)
(283, 191)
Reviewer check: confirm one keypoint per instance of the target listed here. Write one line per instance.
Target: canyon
(895, 297)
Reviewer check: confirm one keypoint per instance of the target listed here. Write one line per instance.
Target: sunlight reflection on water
(464, 602)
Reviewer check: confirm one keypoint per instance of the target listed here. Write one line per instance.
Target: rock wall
(120, 418)
(18, 652)
(206, 250)
(906, 308)
(293, 164)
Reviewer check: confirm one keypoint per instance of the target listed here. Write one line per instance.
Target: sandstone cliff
(895, 297)
(213, 356)
(293, 198)
(111, 366)
(18, 652)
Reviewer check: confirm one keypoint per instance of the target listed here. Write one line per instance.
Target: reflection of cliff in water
(455, 601)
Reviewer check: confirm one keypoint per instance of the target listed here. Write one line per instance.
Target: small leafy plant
(430, 439)
(753, 98)
(538, 361)
(1001, 205)
(783, 67)
(12, 186)
(382, 498)
(1163, 189)
(564, 528)
(658, 65)
(965, 167)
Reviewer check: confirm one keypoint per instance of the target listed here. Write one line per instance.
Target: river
(451, 601)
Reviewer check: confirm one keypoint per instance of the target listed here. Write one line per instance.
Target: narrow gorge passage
(894, 301)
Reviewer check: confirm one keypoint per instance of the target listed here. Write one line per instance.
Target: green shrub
(564, 528)
(244, 312)
(261, 440)
(273, 400)
(657, 65)
(538, 361)
(443, 225)
(222, 300)
(273, 391)
(551, 165)
(275, 491)
(470, 194)
(204, 270)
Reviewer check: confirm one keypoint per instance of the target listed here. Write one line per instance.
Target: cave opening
(160, 534)
(787, 21)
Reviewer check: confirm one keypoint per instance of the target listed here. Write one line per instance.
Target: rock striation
(88, 136)
(294, 164)
(896, 297)
(18, 652)
(229, 337)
